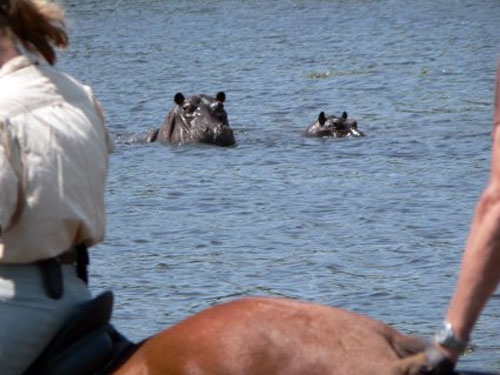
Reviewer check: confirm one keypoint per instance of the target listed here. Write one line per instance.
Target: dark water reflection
(375, 225)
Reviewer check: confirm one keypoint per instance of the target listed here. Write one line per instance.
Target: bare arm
(480, 269)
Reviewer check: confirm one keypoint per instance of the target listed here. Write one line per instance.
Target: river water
(375, 224)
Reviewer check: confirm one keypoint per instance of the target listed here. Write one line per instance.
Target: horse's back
(272, 336)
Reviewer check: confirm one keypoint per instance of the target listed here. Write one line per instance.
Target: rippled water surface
(375, 224)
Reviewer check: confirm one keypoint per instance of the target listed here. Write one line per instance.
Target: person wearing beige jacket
(54, 147)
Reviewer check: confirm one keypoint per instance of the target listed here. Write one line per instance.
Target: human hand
(438, 361)
(434, 361)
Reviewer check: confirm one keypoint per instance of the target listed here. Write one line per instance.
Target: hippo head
(197, 119)
(333, 126)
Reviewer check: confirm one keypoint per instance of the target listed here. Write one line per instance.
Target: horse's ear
(344, 115)
(179, 98)
(322, 118)
(221, 96)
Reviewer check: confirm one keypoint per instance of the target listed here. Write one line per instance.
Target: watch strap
(447, 338)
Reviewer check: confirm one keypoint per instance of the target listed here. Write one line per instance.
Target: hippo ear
(221, 96)
(322, 118)
(344, 115)
(179, 98)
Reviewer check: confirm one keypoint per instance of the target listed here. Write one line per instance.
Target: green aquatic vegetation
(424, 71)
(333, 73)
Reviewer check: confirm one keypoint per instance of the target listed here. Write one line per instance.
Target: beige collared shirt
(54, 147)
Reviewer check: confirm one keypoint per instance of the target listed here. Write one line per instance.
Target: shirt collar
(15, 64)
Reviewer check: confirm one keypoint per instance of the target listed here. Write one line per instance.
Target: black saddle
(87, 344)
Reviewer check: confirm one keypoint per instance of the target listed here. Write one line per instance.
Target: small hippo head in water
(333, 126)
(197, 119)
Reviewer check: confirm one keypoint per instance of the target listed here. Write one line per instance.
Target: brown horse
(249, 336)
(274, 336)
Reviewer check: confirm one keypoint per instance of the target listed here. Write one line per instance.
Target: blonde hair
(36, 24)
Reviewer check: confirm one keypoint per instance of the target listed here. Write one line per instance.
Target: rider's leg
(28, 317)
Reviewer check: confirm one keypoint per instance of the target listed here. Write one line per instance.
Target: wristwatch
(447, 338)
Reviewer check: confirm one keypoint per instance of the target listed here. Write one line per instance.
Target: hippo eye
(189, 108)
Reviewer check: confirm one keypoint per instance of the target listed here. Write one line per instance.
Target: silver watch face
(444, 334)
(446, 338)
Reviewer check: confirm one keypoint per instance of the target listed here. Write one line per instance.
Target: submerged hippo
(196, 119)
(333, 126)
